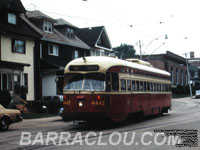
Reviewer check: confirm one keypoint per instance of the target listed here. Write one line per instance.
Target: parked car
(197, 93)
(8, 116)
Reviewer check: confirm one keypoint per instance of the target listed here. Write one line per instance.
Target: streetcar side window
(166, 88)
(159, 87)
(115, 82)
(163, 87)
(155, 87)
(123, 84)
(141, 86)
(137, 86)
(144, 86)
(151, 86)
(108, 84)
(169, 87)
(134, 86)
(129, 85)
(148, 86)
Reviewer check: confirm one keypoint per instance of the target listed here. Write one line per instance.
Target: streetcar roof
(105, 62)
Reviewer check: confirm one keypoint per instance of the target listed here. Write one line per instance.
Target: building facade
(17, 45)
(35, 48)
(58, 45)
(174, 64)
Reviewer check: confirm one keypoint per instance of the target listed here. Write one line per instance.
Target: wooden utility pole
(140, 46)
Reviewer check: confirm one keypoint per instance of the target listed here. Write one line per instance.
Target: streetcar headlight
(80, 104)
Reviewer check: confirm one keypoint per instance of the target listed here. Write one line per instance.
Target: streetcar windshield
(87, 82)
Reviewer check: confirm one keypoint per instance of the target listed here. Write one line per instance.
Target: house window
(92, 53)
(17, 83)
(12, 18)
(6, 82)
(59, 85)
(70, 32)
(172, 75)
(53, 49)
(9, 82)
(75, 54)
(48, 26)
(182, 77)
(102, 53)
(97, 53)
(177, 76)
(18, 46)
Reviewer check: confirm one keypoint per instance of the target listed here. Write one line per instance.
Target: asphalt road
(155, 133)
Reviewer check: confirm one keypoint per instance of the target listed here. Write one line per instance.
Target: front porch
(14, 80)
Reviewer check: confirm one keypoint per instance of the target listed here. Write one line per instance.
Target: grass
(33, 115)
(180, 95)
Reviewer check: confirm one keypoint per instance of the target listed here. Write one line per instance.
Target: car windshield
(87, 82)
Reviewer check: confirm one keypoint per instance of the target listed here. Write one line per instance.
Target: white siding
(27, 58)
(49, 84)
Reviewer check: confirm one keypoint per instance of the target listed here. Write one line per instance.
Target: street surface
(185, 115)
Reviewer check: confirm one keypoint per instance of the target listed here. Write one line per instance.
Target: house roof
(168, 56)
(13, 65)
(22, 29)
(56, 37)
(14, 5)
(36, 14)
(62, 22)
(93, 35)
(89, 35)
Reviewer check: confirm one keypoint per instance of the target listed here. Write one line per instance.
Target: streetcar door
(135, 96)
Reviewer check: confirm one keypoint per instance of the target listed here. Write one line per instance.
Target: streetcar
(102, 87)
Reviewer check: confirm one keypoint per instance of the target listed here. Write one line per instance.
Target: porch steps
(22, 105)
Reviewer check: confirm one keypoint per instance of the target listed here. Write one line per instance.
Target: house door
(17, 81)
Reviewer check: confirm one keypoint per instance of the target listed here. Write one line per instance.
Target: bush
(52, 106)
(181, 90)
(5, 98)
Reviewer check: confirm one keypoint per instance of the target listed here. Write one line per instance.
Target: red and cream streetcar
(106, 87)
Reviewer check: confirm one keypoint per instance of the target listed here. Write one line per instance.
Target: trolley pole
(188, 74)
(140, 46)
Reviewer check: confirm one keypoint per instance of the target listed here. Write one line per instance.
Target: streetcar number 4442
(99, 103)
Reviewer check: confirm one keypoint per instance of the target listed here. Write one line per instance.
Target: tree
(125, 51)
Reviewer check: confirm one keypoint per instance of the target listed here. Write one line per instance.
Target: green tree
(124, 51)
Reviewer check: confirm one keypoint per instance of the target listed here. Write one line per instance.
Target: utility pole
(188, 74)
(140, 46)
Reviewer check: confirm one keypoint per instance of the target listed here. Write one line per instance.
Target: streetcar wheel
(4, 124)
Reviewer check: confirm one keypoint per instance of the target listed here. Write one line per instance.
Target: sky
(131, 21)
